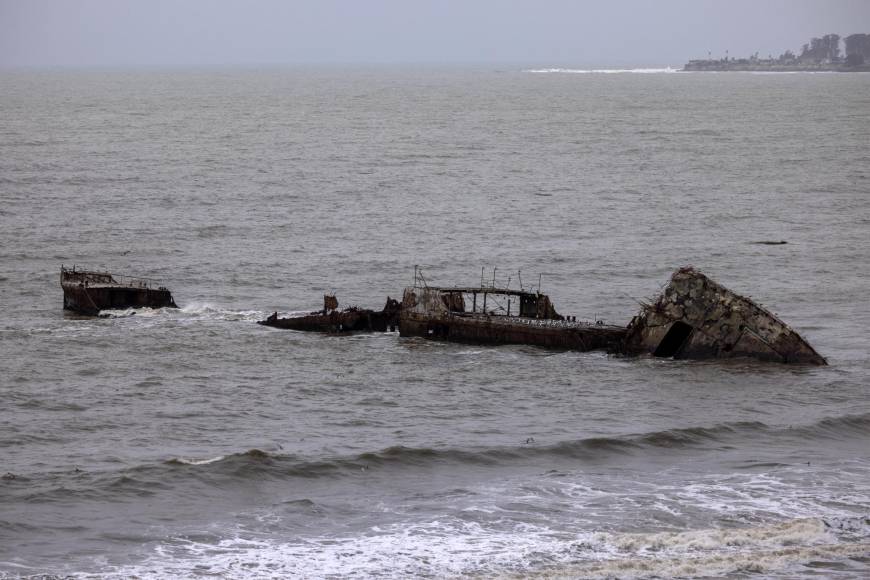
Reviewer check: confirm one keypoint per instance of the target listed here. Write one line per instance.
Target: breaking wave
(126, 312)
(206, 310)
(457, 549)
(604, 71)
(183, 461)
(195, 311)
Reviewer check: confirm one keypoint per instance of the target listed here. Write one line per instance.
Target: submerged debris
(696, 318)
(330, 319)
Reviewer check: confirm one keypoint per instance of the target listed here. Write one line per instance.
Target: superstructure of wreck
(90, 291)
(492, 315)
(697, 318)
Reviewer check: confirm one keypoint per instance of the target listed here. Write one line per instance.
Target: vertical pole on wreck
(484, 302)
(474, 303)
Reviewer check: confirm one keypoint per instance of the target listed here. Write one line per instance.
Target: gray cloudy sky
(544, 32)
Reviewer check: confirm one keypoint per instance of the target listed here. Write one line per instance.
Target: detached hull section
(91, 300)
(697, 318)
(89, 292)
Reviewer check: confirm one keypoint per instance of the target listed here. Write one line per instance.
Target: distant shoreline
(818, 55)
(720, 66)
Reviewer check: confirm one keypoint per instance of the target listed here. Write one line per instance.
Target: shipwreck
(332, 320)
(697, 318)
(491, 315)
(693, 318)
(90, 291)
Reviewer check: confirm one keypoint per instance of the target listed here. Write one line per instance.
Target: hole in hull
(674, 340)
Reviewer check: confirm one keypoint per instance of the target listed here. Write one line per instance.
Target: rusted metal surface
(498, 316)
(697, 318)
(351, 319)
(88, 291)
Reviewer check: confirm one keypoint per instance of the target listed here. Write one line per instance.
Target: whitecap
(211, 312)
(604, 71)
(198, 461)
(451, 547)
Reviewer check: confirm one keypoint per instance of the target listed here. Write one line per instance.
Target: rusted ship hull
(335, 322)
(442, 314)
(489, 330)
(92, 300)
(694, 318)
(339, 321)
(89, 292)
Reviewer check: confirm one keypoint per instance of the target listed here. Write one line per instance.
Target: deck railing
(100, 276)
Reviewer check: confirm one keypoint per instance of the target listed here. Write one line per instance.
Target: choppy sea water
(193, 442)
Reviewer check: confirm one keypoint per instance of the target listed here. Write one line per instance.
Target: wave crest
(588, 449)
(665, 70)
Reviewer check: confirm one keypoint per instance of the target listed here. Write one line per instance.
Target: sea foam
(604, 70)
(429, 550)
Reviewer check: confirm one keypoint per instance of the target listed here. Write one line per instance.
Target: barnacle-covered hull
(697, 318)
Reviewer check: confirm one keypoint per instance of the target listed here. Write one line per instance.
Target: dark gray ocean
(196, 443)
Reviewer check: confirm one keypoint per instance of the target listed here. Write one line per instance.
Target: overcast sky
(543, 32)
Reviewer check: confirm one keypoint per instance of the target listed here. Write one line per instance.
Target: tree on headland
(787, 57)
(824, 49)
(854, 59)
(822, 53)
(832, 47)
(858, 44)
